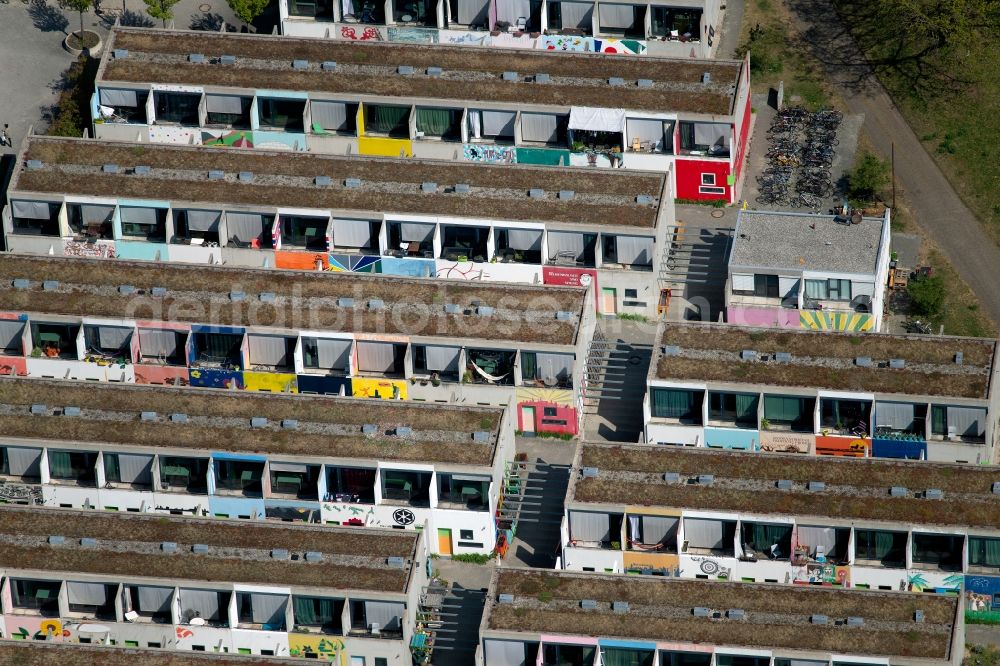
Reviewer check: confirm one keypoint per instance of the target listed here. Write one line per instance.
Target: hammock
(487, 377)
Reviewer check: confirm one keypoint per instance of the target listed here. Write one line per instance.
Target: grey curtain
(967, 421)
(710, 134)
(96, 213)
(333, 354)
(87, 594)
(386, 614)
(541, 127)
(135, 468)
(204, 603)
(788, 286)
(511, 10)
(330, 116)
(659, 529)
(297, 468)
(588, 526)
(203, 220)
(267, 350)
(11, 333)
(642, 129)
(896, 415)
(442, 359)
(504, 653)
(565, 241)
(136, 215)
(119, 97)
(155, 342)
(472, 12)
(224, 104)
(577, 14)
(617, 16)
(244, 226)
(23, 462)
(113, 337)
(524, 239)
(352, 233)
(31, 210)
(498, 123)
(154, 599)
(415, 232)
(634, 249)
(703, 533)
(817, 536)
(375, 356)
(559, 366)
(268, 608)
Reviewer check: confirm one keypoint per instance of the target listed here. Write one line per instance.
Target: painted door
(444, 542)
(528, 419)
(609, 301)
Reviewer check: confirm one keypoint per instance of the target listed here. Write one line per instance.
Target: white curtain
(559, 366)
(386, 614)
(154, 342)
(577, 14)
(416, 232)
(135, 468)
(202, 603)
(634, 250)
(703, 533)
(498, 123)
(709, 134)
(268, 350)
(96, 213)
(203, 220)
(333, 354)
(297, 468)
(113, 337)
(644, 130)
(119, 97)
(524, 239)
(817, 536)
(31, 210)
(565, 241)
(87, 594)
(375, 356)
(330, 116)
(587, 526)
(23, 462)
(475, 121)
(511, 10)
(154, 599)
(617, 16)
(659, 529)
(504, 653)
(11, 333)
(596, 119)
(967, 421)
(472, 12)
(137, 215)
(633, 527)
(244, 226)
(539, 127)
(896, 415)
(268, 608)
(788, 286)
(352, 233)
(224, 104)
(442, 359)
(742, 282)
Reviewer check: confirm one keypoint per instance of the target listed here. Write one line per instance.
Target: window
(942, 551)
(765, 285)
(177, 108)
(550, 411)
(188, 474)
(469, 491)
(439, 123)
(680, 404)
(154, 644)
(319, 9)
(304, 232)
(387, 120)
(831, 289)
(75, 466)
(705, 138)
(281, 114)
(38, 595)
(491, 125)
(739, 408)
(876, 545)
(465, 534)
(576, 16)
(984, 552)
(338, 117)
(711, 190)
(675, 23)
(791, 412)
(381, 661)
(546, 128)
(412, 488)
(708, 179)
(350, 484)
(228, 111)
(631, 293)
(958, 422)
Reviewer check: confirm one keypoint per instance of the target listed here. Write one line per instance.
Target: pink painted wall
(770, 317)
(160, 374)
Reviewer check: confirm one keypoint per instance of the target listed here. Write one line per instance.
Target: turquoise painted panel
(725, 438)
(279, 140)
(235, 506)
(283, 94)
(626, 644)
(410, 267)
(142, 251)
(147, 203)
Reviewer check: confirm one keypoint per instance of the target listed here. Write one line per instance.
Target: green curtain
(746, 407)
(434, 122)
(384, 119)
(939, 420)
(112, 472)
(60, 466)
(764, 536)
(781, 408)
(984, 552)
(304, 610)
(883, 544)
(626, 657)
(672, 403)
(529, 365)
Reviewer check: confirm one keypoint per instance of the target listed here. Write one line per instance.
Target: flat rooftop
(856, 488)
(328, 427)
(73, 166)
(370, 70)
(826, 360)
(777, 616)
(804, 242)
(307, 299)
(43, 653)
(239, 552)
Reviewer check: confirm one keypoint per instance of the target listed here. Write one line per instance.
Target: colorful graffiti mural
(591, 44)
(493, 154)
(271, 382)
(311, 646)
(354, 263)
(386, 389)
(412, 35)
(823, 574)
(820, 320)
(227, 138)
(982, 599)
(216, 378)
(917, 582)
(851, 447)
(366, 34)
(97, 250)
(785, 442)
(174, 135)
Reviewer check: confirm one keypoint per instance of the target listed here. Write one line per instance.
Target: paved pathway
(732, 19)
(938, 209)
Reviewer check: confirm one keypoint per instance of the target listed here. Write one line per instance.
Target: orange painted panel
(300, 261)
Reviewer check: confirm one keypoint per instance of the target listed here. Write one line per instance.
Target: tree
(927, 295)
(868, 179)
(79, 6)
(161, 9)
(248, 10)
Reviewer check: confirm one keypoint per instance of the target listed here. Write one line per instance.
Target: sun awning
(596, 120)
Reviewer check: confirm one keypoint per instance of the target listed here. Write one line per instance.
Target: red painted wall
(160, 374)
(563, 413)
(741, 146)
(689, 178)
(572, 277)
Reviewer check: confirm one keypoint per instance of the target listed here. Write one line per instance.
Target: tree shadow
(134, 19)
(210, 22)
(47, 18)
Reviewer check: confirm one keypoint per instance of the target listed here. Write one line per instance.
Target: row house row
(887, 396)
(869, 524)
(690, 118)
(310, 460)
(447, 220)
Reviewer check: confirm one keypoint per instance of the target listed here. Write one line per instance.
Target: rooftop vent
(200, 549)
(588, 604)
(462, 188)
(314, 556)
(179, 418)
(541, 77)
(644, 199)
(672, 477)
(147, 416)
(706, 479)
(329, 65)
(345, 302)
(403, 431)
(706, 78)
(898, 491)
(227, 60)
(110, 168)
(404, 70)
(88, 542)
(619, 606)
(395, 562)
(33, 165)
(509, 76)
(159, 291)
(237, 296)
(267, 297)
(505, 599)
(485, 311)
(933, 493)
(56, 540)
(71, 411)
(616, 81)
(369, 428)
(428, 187)
(959, 358)
(863, 361)
(279, 553)
(434, 71)
(897, 363)
(21, 283)
(120, 53)
(352, 182)
(481, 437)
(376, 304)
(50, 285)
(701, 611)
(644, 83)
(142, 170)
(736, 614)
(818, 619)
(536, 193)
(326, 181)
(289, 424)
(918, 615)
(566, 195)
(168, 547)
(783, 357)
(126, 289)
(590, 472)
(196, 57)
(258, 422)
(563, 315)
(670, 350)
(784, 484)
(748, 355)
(245, 176)
(452, 308)
(216, 174)
(816, 485)
(300, 64)
(39, 409)
(855, 621)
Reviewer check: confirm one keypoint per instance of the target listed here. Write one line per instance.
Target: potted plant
(616, 545)
(467, 377)
(36, 352)
(764, 424)
(435, 380)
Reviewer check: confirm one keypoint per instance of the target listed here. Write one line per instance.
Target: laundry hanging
(596, 120)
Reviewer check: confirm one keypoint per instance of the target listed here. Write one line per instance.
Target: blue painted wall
(235, 506)
(320, 384)
(725, 438)
(214, 378)
(141, 250)
(889, 448)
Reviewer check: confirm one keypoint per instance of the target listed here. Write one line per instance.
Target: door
(609, 301)
(528, 420)
(444, 542)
